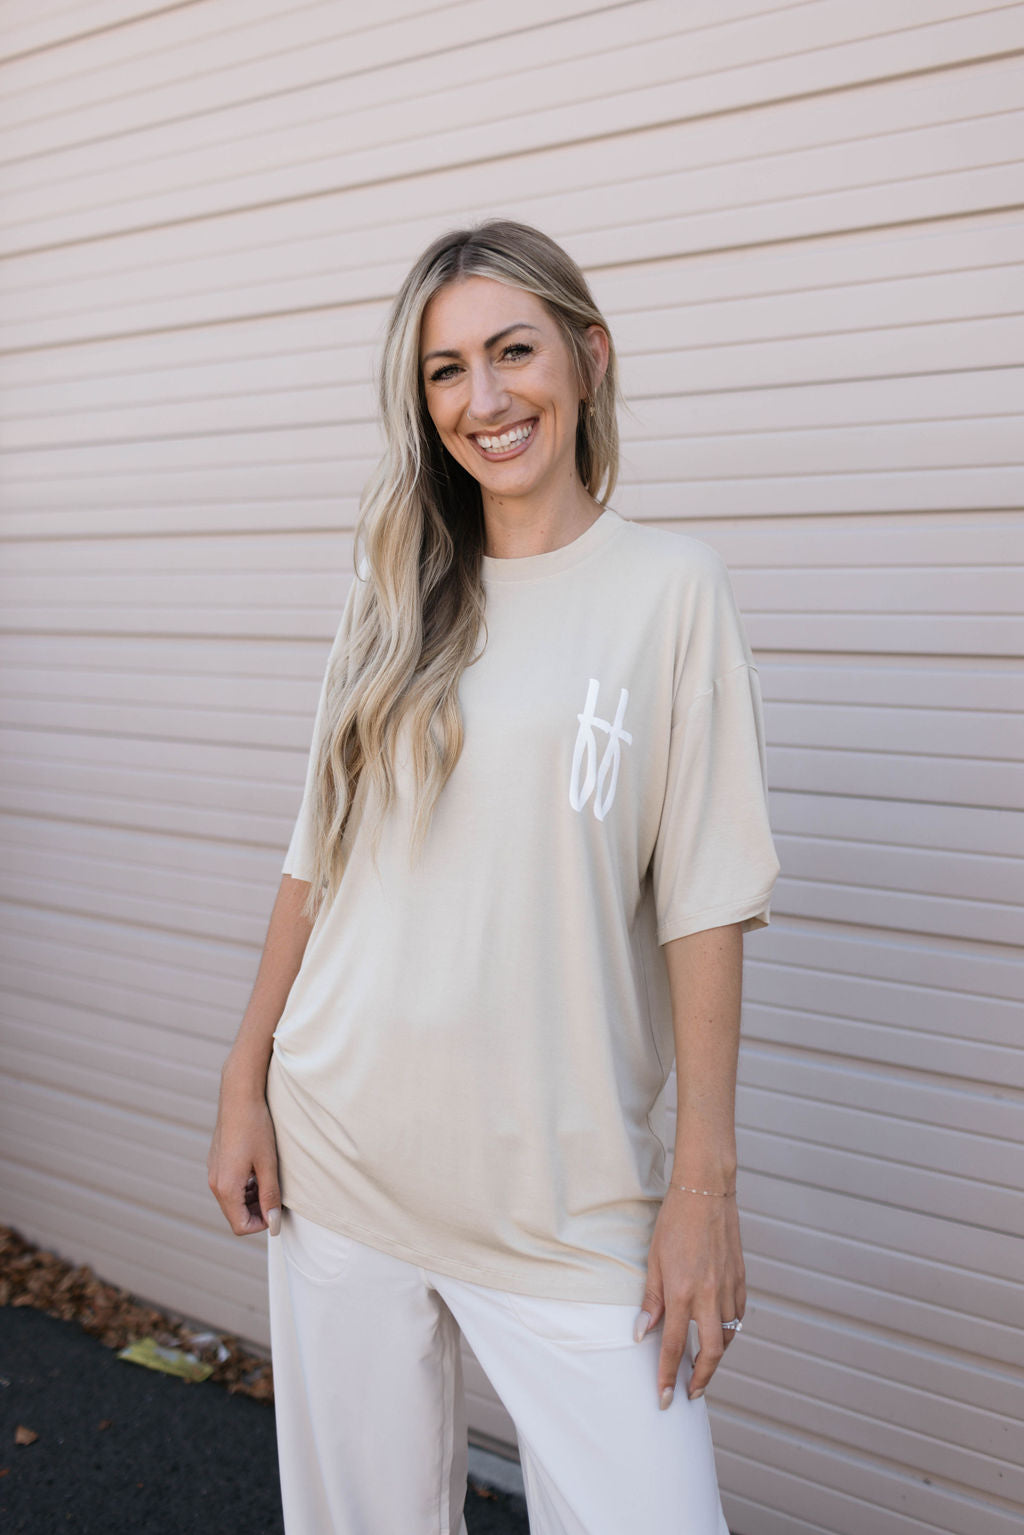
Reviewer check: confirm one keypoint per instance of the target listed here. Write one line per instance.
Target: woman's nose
(487, 399)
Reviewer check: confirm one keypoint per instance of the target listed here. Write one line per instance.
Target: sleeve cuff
(754, 912)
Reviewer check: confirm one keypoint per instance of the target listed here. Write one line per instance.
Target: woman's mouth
(506, 444)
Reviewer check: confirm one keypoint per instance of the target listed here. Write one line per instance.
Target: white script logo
(604, 777)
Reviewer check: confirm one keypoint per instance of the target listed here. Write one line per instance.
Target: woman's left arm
(695, 1265)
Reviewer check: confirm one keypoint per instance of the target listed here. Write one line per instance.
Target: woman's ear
(597, 342)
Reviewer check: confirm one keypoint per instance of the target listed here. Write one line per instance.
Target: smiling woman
(510, 395)
(532, 835)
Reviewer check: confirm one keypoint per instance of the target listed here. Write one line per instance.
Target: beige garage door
(804, 222)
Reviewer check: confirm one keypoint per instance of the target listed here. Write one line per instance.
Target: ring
(734, 1326)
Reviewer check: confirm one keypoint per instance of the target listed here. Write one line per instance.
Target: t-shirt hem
(755, 911)
(577, 1286)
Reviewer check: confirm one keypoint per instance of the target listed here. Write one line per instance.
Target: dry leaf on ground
(30, 1276)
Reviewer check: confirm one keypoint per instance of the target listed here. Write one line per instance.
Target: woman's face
(501, 388)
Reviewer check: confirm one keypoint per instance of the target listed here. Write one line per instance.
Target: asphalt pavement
(122, 1450)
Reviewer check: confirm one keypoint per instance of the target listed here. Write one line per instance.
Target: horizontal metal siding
(804, 224)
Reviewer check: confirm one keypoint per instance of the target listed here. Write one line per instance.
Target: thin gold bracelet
(714, 1192)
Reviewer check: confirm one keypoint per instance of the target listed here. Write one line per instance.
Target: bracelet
(684, 1190)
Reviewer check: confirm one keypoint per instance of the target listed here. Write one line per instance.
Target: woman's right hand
(242, 1165)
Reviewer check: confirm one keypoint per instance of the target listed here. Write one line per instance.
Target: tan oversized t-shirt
(468, 1066)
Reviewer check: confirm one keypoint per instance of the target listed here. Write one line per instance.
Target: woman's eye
(514, 352)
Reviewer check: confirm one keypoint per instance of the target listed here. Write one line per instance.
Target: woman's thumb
(270, 1198)
(653, 1310)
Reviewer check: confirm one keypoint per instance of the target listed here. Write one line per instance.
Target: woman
(533, 832)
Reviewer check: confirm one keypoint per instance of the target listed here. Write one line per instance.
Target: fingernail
(274, 1222)
(695, 1394)
(666, 1397)
(643, 1322)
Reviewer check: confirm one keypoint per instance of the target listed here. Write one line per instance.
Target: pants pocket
(576, 1324)
(316, 1252)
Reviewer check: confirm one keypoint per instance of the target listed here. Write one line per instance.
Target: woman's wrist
(704, 1167)
(244, 1073)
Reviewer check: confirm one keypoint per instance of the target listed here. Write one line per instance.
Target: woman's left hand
(695, 1272)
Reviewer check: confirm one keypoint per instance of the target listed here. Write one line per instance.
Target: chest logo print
(604, 776)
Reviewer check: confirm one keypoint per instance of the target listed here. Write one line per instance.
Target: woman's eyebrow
(491, 340)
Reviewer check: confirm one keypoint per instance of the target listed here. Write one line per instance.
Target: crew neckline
(529, 567)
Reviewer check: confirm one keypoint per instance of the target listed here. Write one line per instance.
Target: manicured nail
(666, 1397)
(695, 1394)
(274, 1222)
(643, 1322)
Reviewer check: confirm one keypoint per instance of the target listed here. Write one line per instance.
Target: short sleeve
(299, 859)
(714, 861)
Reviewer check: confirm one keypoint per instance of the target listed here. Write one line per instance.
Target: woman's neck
(513, 531)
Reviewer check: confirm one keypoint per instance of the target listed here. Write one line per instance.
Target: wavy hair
(420, 598)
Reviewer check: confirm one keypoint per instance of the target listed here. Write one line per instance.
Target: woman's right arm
(243, 1146)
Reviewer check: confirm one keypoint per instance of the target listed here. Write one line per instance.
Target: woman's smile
(506, 442)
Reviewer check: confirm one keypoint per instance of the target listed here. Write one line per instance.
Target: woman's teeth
(506, 440)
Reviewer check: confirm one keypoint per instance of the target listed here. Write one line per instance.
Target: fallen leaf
(23, 1435)
(104, 1423)
(171, 1361)
(31, 1277)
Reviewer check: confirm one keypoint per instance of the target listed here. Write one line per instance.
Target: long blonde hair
(420, 601)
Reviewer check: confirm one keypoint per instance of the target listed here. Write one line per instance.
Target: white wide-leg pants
(371, 1420)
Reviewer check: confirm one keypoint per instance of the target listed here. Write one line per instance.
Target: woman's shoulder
(686, 583)
(670, 556)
